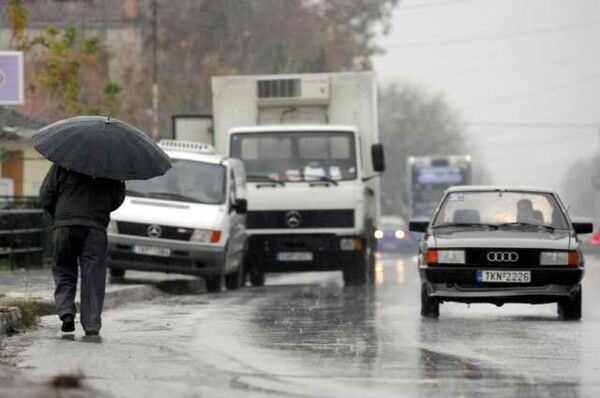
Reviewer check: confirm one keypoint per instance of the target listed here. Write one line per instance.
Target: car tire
(116, 273)
(257, 278)
(214, 283)
(430, 306)
(357, 273)
(234, 280)
(570, 309)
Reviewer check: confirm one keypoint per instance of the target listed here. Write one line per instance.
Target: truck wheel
(356, 274)
(257, 278)
(116, 273)
(235, 279)
(570, 308)
(430, 306)
(214, 283)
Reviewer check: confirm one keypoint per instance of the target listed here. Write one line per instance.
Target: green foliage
(29, 314)
(67, 66)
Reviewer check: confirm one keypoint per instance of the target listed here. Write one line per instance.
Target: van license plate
(152, 250)
(503, 276)
(294, 256)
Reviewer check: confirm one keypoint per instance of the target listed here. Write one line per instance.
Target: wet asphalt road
(306, 335)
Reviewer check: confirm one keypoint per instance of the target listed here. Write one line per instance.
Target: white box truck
(310, 145)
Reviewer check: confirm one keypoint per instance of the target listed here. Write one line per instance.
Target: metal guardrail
(24, 231)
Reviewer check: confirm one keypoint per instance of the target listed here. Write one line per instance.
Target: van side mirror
(240, 206)
(418, 225)
(378, 157)
(583, 227)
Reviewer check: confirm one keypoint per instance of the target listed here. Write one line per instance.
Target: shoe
(68, 324)
(92, 332)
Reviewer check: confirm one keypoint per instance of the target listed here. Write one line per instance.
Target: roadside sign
(198, 128)
(11, 78)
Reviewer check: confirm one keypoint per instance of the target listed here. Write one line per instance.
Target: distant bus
(429, 176)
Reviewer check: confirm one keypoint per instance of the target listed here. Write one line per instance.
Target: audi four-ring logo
(502, 257)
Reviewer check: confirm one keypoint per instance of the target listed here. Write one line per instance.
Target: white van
(189, 221)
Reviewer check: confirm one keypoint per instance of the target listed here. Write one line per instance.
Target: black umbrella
(101, 147)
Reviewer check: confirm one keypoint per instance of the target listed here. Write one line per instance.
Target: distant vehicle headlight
(451, 256)
(112, 227)
(378, 234)
(205, 236)
(400, 234)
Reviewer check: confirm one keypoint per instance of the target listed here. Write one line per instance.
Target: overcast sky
(524, 75)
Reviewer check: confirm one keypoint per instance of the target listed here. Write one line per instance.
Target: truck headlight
(348, 244)
(451, 256)
(112, 227)
(554, 258)
(205, 236)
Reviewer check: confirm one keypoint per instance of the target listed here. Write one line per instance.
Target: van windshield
(296, 156)
(186, 181)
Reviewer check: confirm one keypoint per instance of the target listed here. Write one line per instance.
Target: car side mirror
(418, 226)
(240, 206)
(378, 157)
(583, 227)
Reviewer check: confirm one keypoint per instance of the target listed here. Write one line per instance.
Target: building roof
(17, 127)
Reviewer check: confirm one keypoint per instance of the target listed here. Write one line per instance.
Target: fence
(24, 232)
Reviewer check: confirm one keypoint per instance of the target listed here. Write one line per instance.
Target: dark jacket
(76, 199)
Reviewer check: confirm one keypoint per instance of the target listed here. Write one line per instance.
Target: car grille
(526, 257)
(166, 232)
(305, 219)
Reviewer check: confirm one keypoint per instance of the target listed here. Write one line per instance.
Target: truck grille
(166, 232)
(300, 219)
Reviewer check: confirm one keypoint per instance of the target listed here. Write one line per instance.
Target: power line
(434, 4)
(535, 125)
(495, 37)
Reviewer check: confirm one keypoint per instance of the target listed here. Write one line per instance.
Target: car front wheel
(430, 306)
(569, 308)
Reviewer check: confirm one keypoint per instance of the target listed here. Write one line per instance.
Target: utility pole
(154, 71)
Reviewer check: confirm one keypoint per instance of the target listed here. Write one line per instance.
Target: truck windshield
(186, 181)
(296, 156)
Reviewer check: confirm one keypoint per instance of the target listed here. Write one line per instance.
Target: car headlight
(451, 256)
(570, 258)
(554, 258)
(378, 234)
(205, 236)
(400, 234)
(112, 227)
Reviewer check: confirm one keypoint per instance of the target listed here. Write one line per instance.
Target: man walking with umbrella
(92, 157)
(81, 207)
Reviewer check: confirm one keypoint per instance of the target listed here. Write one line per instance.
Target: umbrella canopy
(101, 147)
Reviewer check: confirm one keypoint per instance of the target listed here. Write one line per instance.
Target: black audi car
(501, 245)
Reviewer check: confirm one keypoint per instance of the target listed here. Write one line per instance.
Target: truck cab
(310, 147)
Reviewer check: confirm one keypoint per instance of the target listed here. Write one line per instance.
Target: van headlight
(112, 228)
(205, 236)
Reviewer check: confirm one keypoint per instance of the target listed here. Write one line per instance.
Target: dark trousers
(79, 247)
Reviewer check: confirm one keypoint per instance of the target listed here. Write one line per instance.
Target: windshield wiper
(466, 224)
(526, 224)
(324, 179)
(175, 196)
(265, 178)
(131, 192)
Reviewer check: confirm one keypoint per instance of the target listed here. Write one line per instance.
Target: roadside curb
(9, 317)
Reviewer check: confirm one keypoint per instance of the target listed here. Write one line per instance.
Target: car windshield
(186, 181)
(296, 156)
(502, 209)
